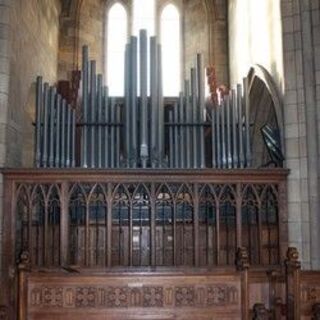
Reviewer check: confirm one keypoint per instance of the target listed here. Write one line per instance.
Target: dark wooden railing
(197, 218)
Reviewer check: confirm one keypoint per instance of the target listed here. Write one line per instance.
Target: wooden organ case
(147, 207)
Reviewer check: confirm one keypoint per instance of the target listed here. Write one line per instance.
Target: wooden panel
(310, 293)
(135, 296)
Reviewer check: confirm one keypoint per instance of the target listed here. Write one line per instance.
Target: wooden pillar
(24, 268)
(153, 225)
(64, 246)
(293, 269)
(109, 225)
(196, 224)
(242, 264)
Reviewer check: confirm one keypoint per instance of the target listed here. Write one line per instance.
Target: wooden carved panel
(58, 295)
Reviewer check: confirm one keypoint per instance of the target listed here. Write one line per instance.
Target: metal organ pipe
(154, 101)
(58, 129)
(133, 98)
(39, 108)
(85, 95)
(188, 120)
(144, 154)
(160, 109)
(201, 108)
(99, 102)
(45, 125)
(247, 121)
(69, 128)
(130, 132)
(194, 117)
(93, 110)
(240, 125)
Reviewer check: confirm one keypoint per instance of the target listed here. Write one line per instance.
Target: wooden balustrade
(147, 222)
(148, 217)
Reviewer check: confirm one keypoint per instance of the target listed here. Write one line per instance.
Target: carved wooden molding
(110, 297)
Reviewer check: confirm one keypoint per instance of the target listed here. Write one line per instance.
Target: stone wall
(28, 47)
(196, 34)
(204, 29)
(5, 6)
(301, 105)
(33, 51)
(290, 51)
(255, 38)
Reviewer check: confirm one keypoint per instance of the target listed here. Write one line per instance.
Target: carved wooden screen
(38, 223)
(110, 224)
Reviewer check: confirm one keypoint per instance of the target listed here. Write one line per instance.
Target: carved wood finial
(260, 312)
(292, 261)
(242, 259)
(316, 311)
(24, 261)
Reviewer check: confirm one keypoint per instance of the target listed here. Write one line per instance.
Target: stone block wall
(33, 51)
(294, 63)
(28, 47)
(204, 29)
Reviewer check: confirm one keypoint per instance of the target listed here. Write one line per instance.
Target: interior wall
(196, 34)
(204, 30)
(33, 51)
(255, 37)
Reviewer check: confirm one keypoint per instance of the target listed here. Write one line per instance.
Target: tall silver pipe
(63, 133)
(240, 125)
(144, 154)
(99, 104)
(93, 86)
(223, 134)
(213, 136)
(201, 108)
(247, 120)
(154, 100)
(133, 98)
(118, 121)
(218, 125)
(69, 131)
(106, 127)
(176, 158)
(51, 126)
(188, 127)
(85, 94)
(182, 129)
(127, 109)
(234, 129)
(73, 162)
(195, 119)
(160, 110)
(228, 126)
(171, 140)
(45, 125)
(112, 135)
(39, 103)
(58, 128)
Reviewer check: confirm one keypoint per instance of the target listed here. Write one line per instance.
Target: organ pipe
(131, 132)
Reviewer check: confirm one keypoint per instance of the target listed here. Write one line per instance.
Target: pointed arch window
(171, 50)
(117, 27)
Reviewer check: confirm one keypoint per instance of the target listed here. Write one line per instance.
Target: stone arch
(265, 107)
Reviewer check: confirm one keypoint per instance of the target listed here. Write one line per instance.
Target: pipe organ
(90, 240)
(143, 129)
